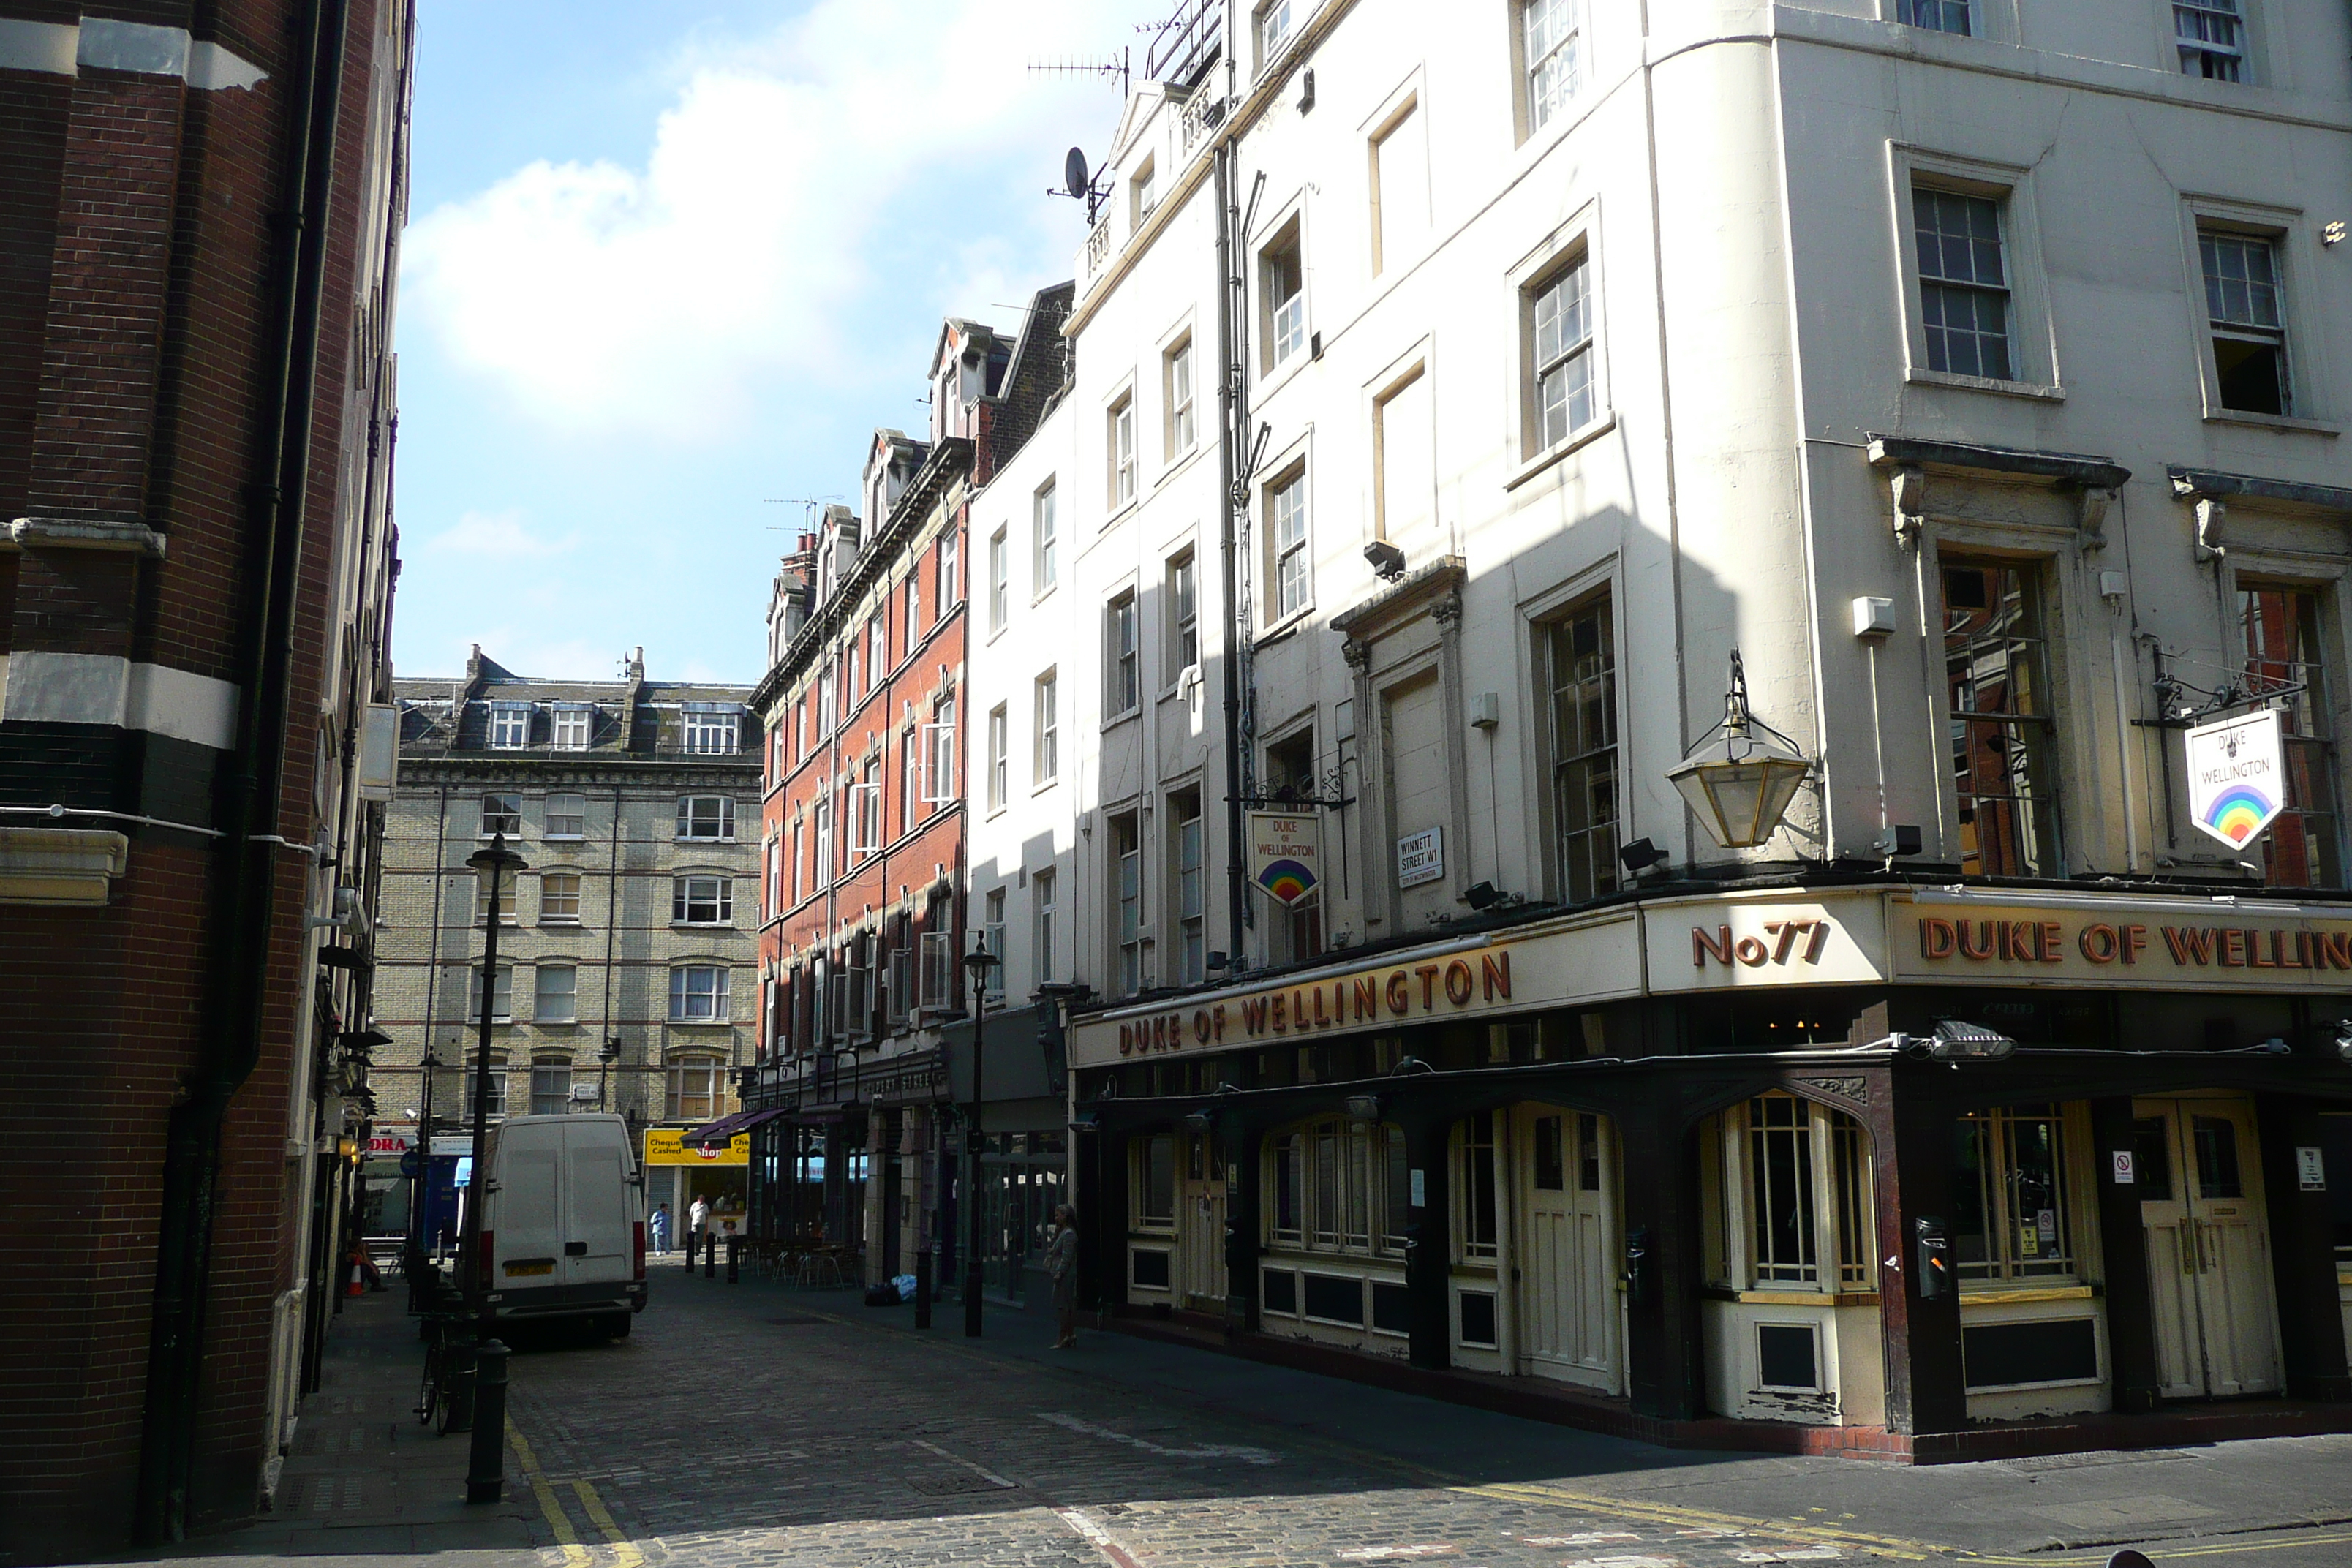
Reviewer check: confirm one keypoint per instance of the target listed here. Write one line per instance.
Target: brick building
(203, 207)
(625, 956)
(862, 928)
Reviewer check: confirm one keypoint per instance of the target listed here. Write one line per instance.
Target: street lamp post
(420, 1202)
(978, 962)
(605, 1058)
(493, 863)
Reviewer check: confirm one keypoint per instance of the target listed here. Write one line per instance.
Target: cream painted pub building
(1457, 396)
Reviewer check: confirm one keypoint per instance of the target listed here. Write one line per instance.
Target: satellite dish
(1075, 178)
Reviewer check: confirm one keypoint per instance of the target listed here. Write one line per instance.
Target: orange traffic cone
(358, 1287)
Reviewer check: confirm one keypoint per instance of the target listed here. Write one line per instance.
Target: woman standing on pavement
(1062, 1263)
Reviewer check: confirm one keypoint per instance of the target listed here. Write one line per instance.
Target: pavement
(761, 1426)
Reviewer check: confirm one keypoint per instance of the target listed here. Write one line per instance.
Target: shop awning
(724, 1130)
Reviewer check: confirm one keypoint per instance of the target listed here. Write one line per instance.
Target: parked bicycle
(448, 1388)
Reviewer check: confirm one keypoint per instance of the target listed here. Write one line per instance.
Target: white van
(563, 1230)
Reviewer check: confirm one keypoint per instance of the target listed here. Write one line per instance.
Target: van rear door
(597, 1201)
(524, 1209)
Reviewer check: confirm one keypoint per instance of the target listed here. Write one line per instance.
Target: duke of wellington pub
(1918, 1171)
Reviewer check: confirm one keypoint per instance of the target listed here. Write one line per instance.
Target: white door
(1567, 1265)
(597, 1201)
(2197, 1165)
(1201, 1218)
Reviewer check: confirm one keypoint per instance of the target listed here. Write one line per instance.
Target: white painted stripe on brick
(133, 47)
(96, 689)
(44, 46)
(193, 708)
(62, 49)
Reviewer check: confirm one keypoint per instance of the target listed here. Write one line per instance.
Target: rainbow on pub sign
(2240, 812)
(2237, 777)
(1286, 879)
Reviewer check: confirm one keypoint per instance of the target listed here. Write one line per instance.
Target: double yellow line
(1646, 1512)
(576, 1555)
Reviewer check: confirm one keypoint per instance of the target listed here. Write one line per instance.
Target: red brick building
(202, 211)
(863, 883)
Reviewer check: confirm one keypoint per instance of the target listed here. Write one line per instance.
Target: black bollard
(923, 1289)
(485, 1464)
(734, 1265)
(461, 1381)
(693, 1244)
(710, 1255)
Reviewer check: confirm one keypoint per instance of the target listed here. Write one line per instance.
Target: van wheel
(617, 1325)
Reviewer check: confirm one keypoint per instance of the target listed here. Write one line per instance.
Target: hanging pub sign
(1285, 854)
(2237, 780)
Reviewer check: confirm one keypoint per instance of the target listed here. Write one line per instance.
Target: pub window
(1996, 672)
(1780, 1166)
(1155, 1181)
(2286, 664)
(1583, 660)
(1474, 1184)
(1791, 1206)
(1338, 1185)
(2010, 1217)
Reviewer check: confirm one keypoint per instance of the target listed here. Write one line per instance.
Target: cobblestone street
(760, 1426)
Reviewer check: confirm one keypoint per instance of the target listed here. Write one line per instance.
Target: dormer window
(509, 726)
(710, 727)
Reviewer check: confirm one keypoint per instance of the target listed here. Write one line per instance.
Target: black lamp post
(420, 1197)
(605, 1058)
(493, 864)
(977, 962)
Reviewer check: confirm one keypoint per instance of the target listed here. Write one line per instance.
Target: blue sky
(665, 261)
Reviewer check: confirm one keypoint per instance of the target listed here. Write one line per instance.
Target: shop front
(1874, 1166)
(678, 1170)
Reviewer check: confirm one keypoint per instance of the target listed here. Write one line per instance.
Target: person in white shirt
(698, 1216)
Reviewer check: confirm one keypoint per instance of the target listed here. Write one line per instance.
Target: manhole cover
(798, 1321)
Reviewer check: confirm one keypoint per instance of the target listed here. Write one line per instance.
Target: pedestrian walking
(1062, 1264)
(659, 1226)
(698, 1217)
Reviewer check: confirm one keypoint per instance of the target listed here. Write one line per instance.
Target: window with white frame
(1183, 613)
(853, 683)
(1286, 543)
(555, 994)
(698, 994)
(712, 728)
(1040, 901)
(509, 726)
(1476, 1210)
(2012, 1209)
(828, 703)
(1120, 449)
(707, 817)
(2211, 36)
(1000, 581)
(2245, 315)
(1581, 652)
(940, 782)
(483, 881)
(1792, 1206)
(910, 792)
(1047, 762)
(865, 810)
(821, 868)
(1282, 294)
(1552, 45)
(950, 589)
(702, 900)
(991, 937)
(1122, 657)
(1127, 869)
(1176, 395)
(1000, 762)
(1273, 27)
(1404, 457)
(914, 610)
(1192, 890)
(495, 1082)
(775, 877)
(1042, 542)
(1935, 15)
(1143, 194)
(573, 723)
(501, 813)
(567, 815)
(878, 646)
(501, 997)
(1561, 353)
(698, 1089)
(1964, 286)
(559, 897)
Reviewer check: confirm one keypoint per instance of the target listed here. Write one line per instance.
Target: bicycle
(447, 1371)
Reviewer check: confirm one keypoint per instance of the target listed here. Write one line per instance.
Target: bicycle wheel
(430, 1393)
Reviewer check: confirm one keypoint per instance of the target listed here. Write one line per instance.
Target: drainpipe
(1230, 372)
(248, 801)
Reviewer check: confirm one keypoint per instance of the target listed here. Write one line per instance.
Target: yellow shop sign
(668, 1146)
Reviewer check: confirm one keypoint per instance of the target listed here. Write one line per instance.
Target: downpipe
(247, 803)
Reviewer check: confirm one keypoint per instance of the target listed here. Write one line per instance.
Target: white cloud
(497, 535)
(830, 164)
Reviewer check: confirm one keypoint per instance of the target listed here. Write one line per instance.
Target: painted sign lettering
(1418, 991)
